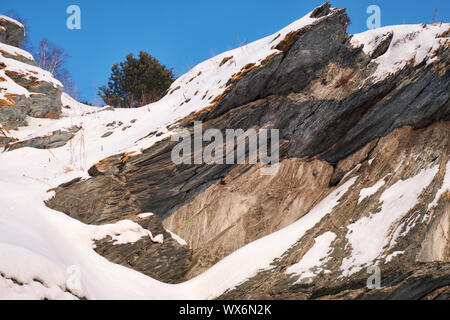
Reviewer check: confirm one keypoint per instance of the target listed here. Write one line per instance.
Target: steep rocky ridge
(337, 121)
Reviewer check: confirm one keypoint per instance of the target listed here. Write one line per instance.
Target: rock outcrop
(411, 267)
(169, 260)
(25, 90)
(340, 120)
(54, 140)
(12, 32)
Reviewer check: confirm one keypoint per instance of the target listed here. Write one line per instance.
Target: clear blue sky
(183, 33)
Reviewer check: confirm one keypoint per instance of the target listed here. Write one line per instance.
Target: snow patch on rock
(370, 236)
(310, 264)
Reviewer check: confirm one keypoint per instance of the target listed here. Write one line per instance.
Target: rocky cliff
(25, 90)
(363, 175)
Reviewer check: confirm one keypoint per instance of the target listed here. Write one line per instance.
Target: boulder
(12, 32)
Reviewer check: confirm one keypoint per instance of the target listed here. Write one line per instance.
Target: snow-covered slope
(410, 44)
(47, 254)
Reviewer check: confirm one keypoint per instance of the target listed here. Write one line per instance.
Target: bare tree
(53, 59)
(48, 56)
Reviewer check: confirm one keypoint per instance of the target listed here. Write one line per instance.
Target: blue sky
(183, 33)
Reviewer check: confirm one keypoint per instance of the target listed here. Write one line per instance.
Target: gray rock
(11, 32)
(321, 11)
(55, 140)
(167, 261)
(107, 134)
(45, 98)
(2, 34)
(383, 46)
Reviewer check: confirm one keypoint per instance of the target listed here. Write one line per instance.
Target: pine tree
(136, 82)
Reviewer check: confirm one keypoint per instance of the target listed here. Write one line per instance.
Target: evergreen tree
(136, 82)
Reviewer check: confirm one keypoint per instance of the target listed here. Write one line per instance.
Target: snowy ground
(43, 253)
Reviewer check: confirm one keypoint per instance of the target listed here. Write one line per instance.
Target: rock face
(169, 260)
(25, 90)
(54, 140)
(12, 32)
(411, 267)
(246, 206)
(337, 122)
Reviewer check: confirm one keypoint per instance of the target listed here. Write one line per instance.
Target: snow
(24, 68)
(11, 20)
(355, 169)
(258, 255)
(145, 215)
(7, 85)
(14, 263)
(76, 109)
(393, 255)
(208, 77)
(27, 275)
(309, 266)
(44, 244)
(122, 232)
(410, 43)
(177, 238)
(9, 290)
(49, 240)
(27, 223)
(370, 236)
(367, 192)
(444, 188)
(14, 51)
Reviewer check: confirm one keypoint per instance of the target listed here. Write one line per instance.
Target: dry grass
(445, 34)
(67, 170)
(225, 60)
(269, 58)
(5, 128)
(174, 89)
(52, 114)
(238, 76)
(278, 35)
(126, 156)
(13, 55)
(9, 102)
(78, 151)
(285, 44)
